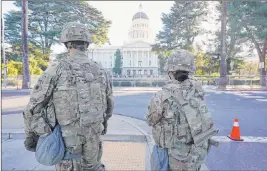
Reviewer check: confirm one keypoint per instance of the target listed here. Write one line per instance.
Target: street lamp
(4, 55)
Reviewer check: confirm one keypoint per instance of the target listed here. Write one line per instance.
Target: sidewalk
(245, 88)
(127, 145)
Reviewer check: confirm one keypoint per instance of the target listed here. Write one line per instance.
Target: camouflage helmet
(182, 60)
(74, 31)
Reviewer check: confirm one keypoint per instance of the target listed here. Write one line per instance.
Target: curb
(243, 90)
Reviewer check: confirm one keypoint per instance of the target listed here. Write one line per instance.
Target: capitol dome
(140, 15)
(140, 28)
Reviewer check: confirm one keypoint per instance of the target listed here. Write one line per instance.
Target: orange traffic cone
(235, 135)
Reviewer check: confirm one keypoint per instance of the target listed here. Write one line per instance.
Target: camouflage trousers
(91, 150)
(190, 162)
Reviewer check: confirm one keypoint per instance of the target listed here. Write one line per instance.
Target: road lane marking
(262, 100)
(254, 97)
(249, 139)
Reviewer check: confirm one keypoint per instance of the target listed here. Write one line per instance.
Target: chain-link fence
(251, 81)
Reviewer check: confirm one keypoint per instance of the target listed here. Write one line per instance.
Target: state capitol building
(138, 60)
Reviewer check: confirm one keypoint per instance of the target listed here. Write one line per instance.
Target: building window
(151, 72)
(128, 72)
(110, 64)
(145, 72)
(149, 63)
(139, 63)
(134, 72)
(139, 72)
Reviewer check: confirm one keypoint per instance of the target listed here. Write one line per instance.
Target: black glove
(105, 124)
(30, 142)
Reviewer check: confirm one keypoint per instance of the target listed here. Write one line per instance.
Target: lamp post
(4, 54)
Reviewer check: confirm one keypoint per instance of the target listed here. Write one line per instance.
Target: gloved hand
(105, 124)
(30, 142)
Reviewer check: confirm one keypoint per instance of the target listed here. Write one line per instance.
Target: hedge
(159, 83)
(116, 84)
(126, 84)
(142, 84)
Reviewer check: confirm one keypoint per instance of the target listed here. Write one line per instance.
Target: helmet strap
(171, 75)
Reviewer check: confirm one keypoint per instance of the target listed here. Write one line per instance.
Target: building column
(143, 59)
(138, 59)
(124, 64)
(131, 58)
(149, 58)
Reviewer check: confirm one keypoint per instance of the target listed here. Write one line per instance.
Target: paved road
(249, 107)
(12, 93)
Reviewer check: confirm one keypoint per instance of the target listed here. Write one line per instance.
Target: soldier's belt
(198, 139)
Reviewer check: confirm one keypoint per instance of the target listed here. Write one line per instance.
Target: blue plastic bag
(159, 159)
(50, 149)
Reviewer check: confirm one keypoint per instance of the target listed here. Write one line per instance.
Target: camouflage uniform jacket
(173, 127)
(76, 92)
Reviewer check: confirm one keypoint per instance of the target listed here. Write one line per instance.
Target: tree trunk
(223, 70)
(263, 78)
(26, 74)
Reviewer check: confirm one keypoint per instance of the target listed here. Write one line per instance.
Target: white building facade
(138, 60)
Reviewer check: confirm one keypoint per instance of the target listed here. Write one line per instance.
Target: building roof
(140, 15)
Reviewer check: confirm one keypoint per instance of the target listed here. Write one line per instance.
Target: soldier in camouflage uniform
(179, 117)
(77, 94)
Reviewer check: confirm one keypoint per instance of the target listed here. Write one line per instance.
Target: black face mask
(181, 75)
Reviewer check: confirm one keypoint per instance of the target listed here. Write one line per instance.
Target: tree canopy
(46, 20)
(251, 19)
(118, 63)
(181, 25)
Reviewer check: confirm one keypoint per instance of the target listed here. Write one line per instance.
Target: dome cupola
(140, 14)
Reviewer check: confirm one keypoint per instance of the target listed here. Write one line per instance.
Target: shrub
(126, 84)
(159, 83)
(215, 74)
(116, 84)
(142, 84)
